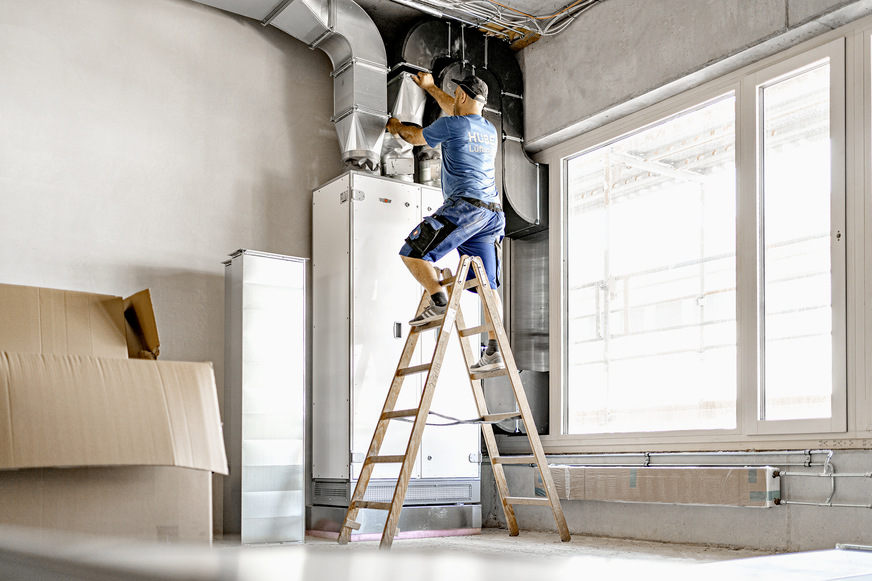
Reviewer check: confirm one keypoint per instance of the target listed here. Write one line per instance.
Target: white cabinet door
(384, 294)
(445, 450)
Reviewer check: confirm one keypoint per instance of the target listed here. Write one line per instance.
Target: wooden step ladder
(453, 318)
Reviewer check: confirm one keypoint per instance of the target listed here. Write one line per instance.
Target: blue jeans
(458, 224)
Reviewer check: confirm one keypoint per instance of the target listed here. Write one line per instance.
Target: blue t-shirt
(469, 148)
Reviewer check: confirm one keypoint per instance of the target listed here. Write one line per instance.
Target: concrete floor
(497, 543)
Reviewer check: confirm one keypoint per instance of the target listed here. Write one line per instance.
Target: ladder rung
(434, 325)
(486, 374)
(386, 459)
(400, 414)
(415, 369)
(500, 417)
(373, 505)
(471, 283)
(532, 500)
(514, 459)
(476, 330)
(350, 524)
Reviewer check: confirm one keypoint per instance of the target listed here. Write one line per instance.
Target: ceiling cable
(494, 13)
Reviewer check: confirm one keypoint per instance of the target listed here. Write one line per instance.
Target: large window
(796, 293)
(694, 300)
(651, 297)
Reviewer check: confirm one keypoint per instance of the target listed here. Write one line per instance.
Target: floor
(35, 555)
(498, 543)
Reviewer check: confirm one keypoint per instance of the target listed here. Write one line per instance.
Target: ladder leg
(427, 394)
(488, 432)
(486, 296)
(380, 431)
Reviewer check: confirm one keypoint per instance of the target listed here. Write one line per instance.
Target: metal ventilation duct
(453, 51)
(349, 37)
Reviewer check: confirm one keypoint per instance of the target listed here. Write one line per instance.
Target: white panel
(267, 292)
(272, 452)
(330, 331)
(445, 450)
(384, 213)
(273, 504)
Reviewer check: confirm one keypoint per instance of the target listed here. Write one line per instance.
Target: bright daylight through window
(796, 283)
(651, 278)
(672, 322)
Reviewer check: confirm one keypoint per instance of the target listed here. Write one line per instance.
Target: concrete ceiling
(393, 20)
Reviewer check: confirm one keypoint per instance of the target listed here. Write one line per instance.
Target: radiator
(757, 486)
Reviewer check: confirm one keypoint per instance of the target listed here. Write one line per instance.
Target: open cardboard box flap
(142, 338)
(60, 322)
(65, 410)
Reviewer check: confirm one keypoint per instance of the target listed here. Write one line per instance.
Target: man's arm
(445, 101)
(409, 133)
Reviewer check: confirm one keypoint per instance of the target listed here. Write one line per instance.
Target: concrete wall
(141, 141)
(623, 55)
(780, 528)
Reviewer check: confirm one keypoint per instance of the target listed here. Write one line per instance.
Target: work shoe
(488, 363)
(430, 314)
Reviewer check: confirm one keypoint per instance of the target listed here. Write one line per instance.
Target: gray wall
(623, 55)
(141, 141)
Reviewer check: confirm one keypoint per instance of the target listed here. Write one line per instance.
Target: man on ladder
(470, 219)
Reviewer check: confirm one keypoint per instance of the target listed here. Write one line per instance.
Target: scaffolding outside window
(651, 278)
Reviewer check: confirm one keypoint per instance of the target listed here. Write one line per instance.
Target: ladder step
(514, 459)
(373, 505)
(350, 524)
(386, 459)
(476, 330)
(433, 325)
(412, 370)
(501, 417)
(400, 414)
(468, 285)
(486, 374)
(532, 500)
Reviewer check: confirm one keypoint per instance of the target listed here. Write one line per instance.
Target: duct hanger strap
(360, 109)
(361, 63)
(275, 12)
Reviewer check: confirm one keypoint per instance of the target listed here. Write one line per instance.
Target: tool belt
(481, 204)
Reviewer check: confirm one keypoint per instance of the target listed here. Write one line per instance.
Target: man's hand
(424, 80)
(409, 133)
(445, 101)
(394, 125)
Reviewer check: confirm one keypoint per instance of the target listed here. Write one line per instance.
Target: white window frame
(750, 226)
(851, 429)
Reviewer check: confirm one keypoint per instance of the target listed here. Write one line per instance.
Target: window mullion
(747, 235)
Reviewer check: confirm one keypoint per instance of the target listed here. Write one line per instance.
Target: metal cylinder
(430, 166)
(397, 160)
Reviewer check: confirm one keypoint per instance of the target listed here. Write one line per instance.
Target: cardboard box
(95, 442)
(59, 322)
(754, 486)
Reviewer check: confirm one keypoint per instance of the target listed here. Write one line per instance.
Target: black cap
(474, 87)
